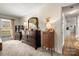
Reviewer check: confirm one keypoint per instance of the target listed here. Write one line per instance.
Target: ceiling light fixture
(72, 12)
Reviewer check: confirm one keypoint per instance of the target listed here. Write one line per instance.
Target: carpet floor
(17, 48)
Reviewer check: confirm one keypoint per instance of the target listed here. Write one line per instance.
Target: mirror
(33, 23)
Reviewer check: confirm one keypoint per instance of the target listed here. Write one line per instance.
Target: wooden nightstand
(48, 40)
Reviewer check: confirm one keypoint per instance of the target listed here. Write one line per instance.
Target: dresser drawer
(48, 39)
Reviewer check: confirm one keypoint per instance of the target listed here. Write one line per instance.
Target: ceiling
(20, 9)
(71, 10)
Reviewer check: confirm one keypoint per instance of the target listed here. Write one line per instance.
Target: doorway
(70, 20)
(70, 29)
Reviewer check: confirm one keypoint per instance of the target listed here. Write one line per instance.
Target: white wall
(53, 11)
(7, 17)
(49, 10)
(78, 27)
(17, 20)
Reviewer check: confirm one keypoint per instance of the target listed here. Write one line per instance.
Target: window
(5, 28)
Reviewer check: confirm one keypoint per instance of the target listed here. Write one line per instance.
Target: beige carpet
(17, 48)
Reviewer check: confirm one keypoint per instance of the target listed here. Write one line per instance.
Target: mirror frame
(35, 19)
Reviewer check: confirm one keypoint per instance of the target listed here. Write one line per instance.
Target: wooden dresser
(48, 40)
(33, 39)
